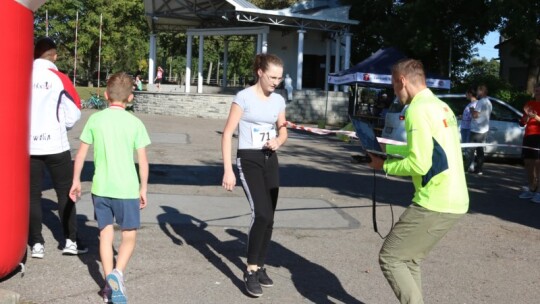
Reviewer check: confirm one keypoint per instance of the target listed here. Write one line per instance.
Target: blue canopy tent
(376, 71)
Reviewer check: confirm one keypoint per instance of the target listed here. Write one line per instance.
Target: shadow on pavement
(89, 235)
(311, 280)
(194, 234)
(496, 193)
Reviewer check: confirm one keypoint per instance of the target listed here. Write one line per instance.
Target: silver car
(503, 125)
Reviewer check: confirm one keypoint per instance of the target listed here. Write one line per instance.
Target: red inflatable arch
(16, 57)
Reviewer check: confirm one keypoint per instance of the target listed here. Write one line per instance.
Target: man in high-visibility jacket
(433, 158)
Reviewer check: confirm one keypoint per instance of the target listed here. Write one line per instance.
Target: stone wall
(183, 104)
(308, 106)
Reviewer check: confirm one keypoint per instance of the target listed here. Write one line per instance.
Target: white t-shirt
(258, 122)
(481, 123)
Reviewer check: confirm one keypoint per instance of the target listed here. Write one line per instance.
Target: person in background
(55, 107)
(138, 83)
(289, 87)
(159, 77)
(466, 118)
(531, 157)
(479, 130)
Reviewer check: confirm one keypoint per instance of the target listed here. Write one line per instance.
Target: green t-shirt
(115, 134)
(433, 156)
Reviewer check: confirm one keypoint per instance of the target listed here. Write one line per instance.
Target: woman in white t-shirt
(259, 114)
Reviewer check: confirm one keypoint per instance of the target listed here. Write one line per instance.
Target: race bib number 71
(261, 134)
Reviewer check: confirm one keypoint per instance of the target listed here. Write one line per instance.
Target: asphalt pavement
(191, 247)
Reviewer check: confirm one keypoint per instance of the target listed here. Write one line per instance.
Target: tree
(483, 66)
(273, 4)
(521, 24)
(124, 34)
(441, 33)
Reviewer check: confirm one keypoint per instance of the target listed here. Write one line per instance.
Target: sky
(487, 50)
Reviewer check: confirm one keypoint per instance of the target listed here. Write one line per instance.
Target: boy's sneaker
(106, 293)
(116, 281)
(253, 287)
(526, 194)
(38, 251)
(536, 198)
(264, 279)
(73, 249)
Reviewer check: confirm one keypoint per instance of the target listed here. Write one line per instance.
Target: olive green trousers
(410, 241)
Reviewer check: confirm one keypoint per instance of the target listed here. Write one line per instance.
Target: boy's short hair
(119, 87)
(45, 48)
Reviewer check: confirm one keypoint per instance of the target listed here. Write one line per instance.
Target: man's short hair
(119, 87)
(482, 88)
(412, 69)
(43, 47)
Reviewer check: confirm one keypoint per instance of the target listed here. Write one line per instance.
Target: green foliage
(483, 67)
(516, 98)
(497, 88)
(124, 34)
(422, 29)
(273, 4)
(172, 49)
(521, 24)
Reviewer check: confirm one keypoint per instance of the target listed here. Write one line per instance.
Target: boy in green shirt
(116, 191)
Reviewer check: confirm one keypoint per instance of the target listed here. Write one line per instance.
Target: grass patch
(86, 92)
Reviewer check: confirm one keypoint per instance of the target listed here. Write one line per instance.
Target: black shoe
(253, 287)
(264, 279)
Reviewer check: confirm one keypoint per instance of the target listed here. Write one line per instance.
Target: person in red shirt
(531, 157)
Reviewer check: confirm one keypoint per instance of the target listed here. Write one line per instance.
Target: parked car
(503, 125)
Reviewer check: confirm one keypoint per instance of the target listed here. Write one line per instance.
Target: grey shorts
(125, 211)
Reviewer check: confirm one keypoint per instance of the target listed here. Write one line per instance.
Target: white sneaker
(38, 251)
(526, 194)
(536, 198)
(72, 248)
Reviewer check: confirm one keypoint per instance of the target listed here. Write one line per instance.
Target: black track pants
(259, 173)
(61, 171)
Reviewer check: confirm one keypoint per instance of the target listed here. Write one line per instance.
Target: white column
(188, 63)
(152, 59)
(337, 62)
(264, 48)
(327, 64)
(225, 61)
(259, 43)
(300, 61)
(347, 58)
(200, 67)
